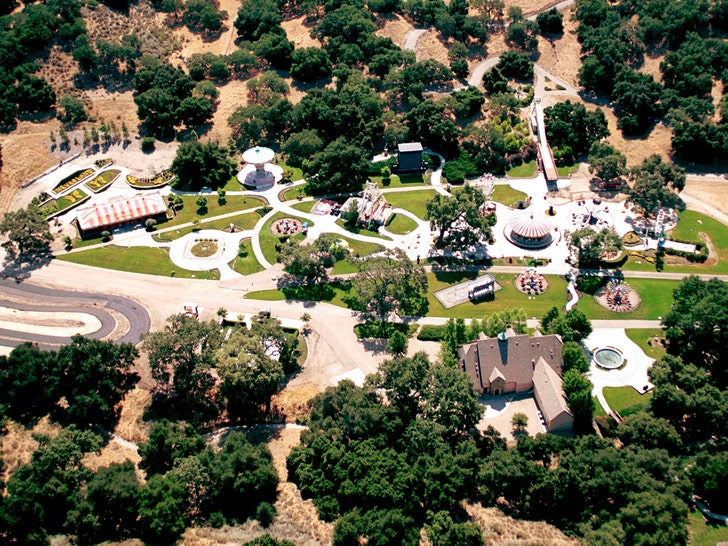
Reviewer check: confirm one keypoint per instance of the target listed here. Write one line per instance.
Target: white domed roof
(258, 155)
(529, 227)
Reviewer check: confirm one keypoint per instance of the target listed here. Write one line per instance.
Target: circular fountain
(608, 358)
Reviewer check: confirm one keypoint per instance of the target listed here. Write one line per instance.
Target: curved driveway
(76, 302)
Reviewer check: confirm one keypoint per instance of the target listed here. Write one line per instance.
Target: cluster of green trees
(199, 374)
(26, 35)
(199, 165)
(81, 384)
(572, 130)
(613, 42)
(188, 482)
(165, 98)
(459, 220)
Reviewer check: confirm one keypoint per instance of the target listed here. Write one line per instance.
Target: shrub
(431, 332)
(631, 239)
(265, 514)
(591, 283)
(105, 235)
(148, 144)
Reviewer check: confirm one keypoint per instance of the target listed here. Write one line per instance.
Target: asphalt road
(74, 302)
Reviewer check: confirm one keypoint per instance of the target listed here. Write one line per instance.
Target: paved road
(75, 302)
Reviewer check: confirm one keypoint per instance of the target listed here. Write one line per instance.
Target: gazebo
(529, 231)
(259, 173)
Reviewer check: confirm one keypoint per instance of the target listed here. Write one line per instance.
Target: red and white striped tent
(121, 211)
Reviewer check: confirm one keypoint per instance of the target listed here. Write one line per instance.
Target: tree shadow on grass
(311, 292)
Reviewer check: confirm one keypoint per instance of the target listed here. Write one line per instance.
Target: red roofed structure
(121, 211)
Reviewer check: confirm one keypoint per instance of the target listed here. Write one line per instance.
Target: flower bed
(160, 179)
(105, 162)
(72, 180)
(631, 239)
(103, 180)
(54, 207)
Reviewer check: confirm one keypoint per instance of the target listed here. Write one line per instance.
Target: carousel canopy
(530, 227)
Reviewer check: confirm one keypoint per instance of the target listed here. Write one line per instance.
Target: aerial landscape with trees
(195, 435)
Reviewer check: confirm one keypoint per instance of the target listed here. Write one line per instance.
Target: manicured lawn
(292, 193)
(506, 195)
(361, 230)
(296, 172)
(598, 409)
(150, 261)
(333, 293)
(247, 264)
(566, 170)
(622, 398)
(413, 201)
(656, 300)
(359, 248)
(268, 239)
(642, 336)
(233, 203)
(305, 206)
(402, 181)
(689, 227)
(525, 170)
(704, 534)
(401, 224)
(242, 222)
(506, 298)
(233, 185)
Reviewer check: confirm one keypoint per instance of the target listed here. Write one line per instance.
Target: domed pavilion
(529, 231)
(259, 173)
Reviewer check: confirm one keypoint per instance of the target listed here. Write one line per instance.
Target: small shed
(409, 157)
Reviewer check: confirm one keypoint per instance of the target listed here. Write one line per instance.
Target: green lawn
(360, 230)
(401, 224)
(623, 398)
(598, 409)
(242, 222)
(704, 534)
(566, 170)
(413, 201)
(359, 248)
(332, 293)
(150, 261)
(246, 265)
(506, 298)
(292, 193)
(296, 172)
(233, 203)
(525, 170)
(689, 227)
(305, 206)
(506, 195)
(402, 181)
(656, 300)
(268, 239)
(641, 338)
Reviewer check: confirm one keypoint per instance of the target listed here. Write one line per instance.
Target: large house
(512, 363)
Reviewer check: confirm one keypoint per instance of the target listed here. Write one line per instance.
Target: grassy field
(150, 261)
(361, 230)
(656, 300)
(566, 170)
(642, 336)
(401, 224)
(704, 534)
(506, 195)
(233, 203)
(305, 206)
(359, 248)
(242, 222)
(525, 170)
(689, 227)
(332, 293)
(598, 409)
(292, 193)
(268, 239)
(402, 181)
(246, 265)
(413, 201)
(623, 398)
(506, 298)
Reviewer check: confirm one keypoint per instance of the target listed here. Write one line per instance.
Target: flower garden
(72, 179)
(157, 181)
(103, 180)
(54, 207)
